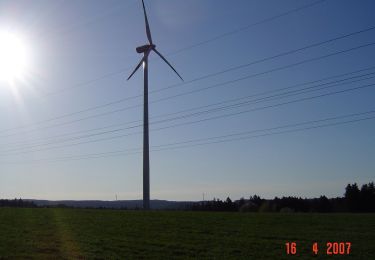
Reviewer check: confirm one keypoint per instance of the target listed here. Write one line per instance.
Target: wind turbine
(146, 50)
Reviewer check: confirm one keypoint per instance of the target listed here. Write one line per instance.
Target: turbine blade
(140, 63)
(136, 68)
(148, 31)
(161, 56)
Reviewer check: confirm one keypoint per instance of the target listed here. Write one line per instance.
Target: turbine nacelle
(147, 48)
(144, 48)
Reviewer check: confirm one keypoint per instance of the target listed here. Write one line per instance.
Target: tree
(256, 199)
(367, 198)
(324, 205)
(352, 196)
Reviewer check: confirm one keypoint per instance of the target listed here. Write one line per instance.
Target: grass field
(113, 234)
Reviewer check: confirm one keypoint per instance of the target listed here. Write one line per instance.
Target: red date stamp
(291, 248)
(331, 248)
(338, 248)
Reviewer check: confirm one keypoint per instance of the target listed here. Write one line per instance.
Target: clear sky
(70, 127)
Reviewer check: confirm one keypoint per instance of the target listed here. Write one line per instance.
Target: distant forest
(355, 200)
(17, 203)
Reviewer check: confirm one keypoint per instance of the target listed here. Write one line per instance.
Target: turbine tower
(146, 49)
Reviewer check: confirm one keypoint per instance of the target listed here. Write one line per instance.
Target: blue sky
(81, 53)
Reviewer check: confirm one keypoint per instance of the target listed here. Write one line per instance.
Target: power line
(269, 134)
(203, 120)
(203, 141)
(191, 92)
(268, 58)
(236, 105)
(244, 28)
(267, 98)
(232, 106)
(275, 128)
(206, 76)
(268, 71)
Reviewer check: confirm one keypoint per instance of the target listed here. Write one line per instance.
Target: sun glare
(13, 57)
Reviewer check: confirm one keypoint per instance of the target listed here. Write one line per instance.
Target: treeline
(360, 200)
(17, 203)
(354, 200)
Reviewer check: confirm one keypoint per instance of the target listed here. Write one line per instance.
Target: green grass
(112, 234)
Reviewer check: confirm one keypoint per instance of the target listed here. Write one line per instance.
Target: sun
(13, 57)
